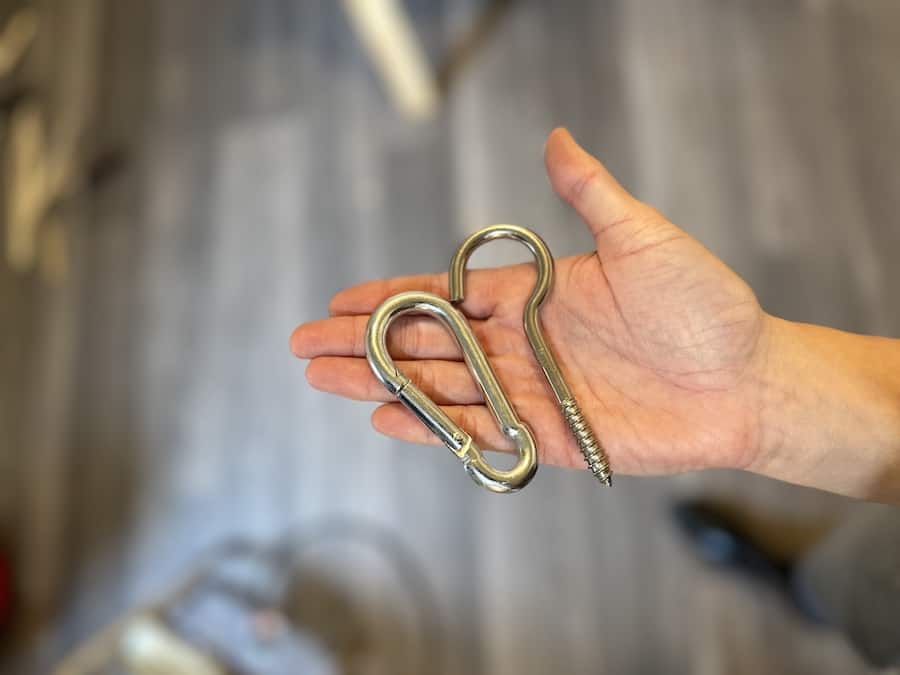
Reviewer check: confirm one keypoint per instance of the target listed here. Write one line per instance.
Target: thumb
(621, 224)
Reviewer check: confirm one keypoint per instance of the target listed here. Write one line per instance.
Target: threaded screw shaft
(590, 447)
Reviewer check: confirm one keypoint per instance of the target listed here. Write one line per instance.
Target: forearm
(831, 411)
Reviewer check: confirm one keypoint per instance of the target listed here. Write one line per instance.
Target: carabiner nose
(431, 415)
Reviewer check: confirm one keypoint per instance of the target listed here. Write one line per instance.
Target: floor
(149, 405)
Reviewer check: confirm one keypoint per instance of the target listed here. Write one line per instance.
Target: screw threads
(590, 447)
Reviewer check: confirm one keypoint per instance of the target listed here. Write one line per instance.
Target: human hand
(672, 359)
(661, 343)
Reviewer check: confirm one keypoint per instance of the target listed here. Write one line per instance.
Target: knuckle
(582, 186)
(469, 422)
(437, 284)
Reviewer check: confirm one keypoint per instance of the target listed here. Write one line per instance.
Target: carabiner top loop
(450, 433)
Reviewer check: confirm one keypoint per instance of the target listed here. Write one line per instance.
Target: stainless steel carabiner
(450, 433)
(590, 447)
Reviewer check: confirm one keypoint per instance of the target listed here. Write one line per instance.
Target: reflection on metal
(590, 447)
(431, 415)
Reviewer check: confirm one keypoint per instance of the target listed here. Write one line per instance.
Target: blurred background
(186, 181)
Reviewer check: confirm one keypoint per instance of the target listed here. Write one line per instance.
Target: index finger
(364, 298)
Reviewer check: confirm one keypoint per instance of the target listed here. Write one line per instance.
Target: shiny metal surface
(590, 447)
(431, 415)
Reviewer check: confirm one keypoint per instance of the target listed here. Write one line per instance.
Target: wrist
(830, 410)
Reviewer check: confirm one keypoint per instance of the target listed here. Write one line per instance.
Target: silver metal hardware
(431, 415)
(587, 442)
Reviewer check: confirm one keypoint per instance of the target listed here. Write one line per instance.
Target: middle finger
(445, 382)
(410, 337)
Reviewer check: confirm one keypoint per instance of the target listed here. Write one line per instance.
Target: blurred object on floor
(50, 164)
(279, 609)
(390, 40)
(851, 579)
(847, 581)
(16, 37)
(389, 37)
(718, 538)
(719, 541)
(148, 647)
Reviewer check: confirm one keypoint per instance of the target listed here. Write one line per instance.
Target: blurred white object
(149, 648)
(42, 162)
(388, 35)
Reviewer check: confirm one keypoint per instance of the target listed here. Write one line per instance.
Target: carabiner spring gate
(431, 415)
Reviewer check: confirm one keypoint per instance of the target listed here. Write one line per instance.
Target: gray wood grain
(150, 406)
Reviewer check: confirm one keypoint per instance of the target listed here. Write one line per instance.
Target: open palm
(661, 343)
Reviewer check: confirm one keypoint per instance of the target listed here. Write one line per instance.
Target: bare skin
(674, 362)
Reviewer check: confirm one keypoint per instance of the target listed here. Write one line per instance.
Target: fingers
(446, 382)
(394, 420)
(409, 337)
(364, 298)
(621, 224)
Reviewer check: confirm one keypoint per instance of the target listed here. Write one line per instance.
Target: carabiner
(590, 447)
(450, 433)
